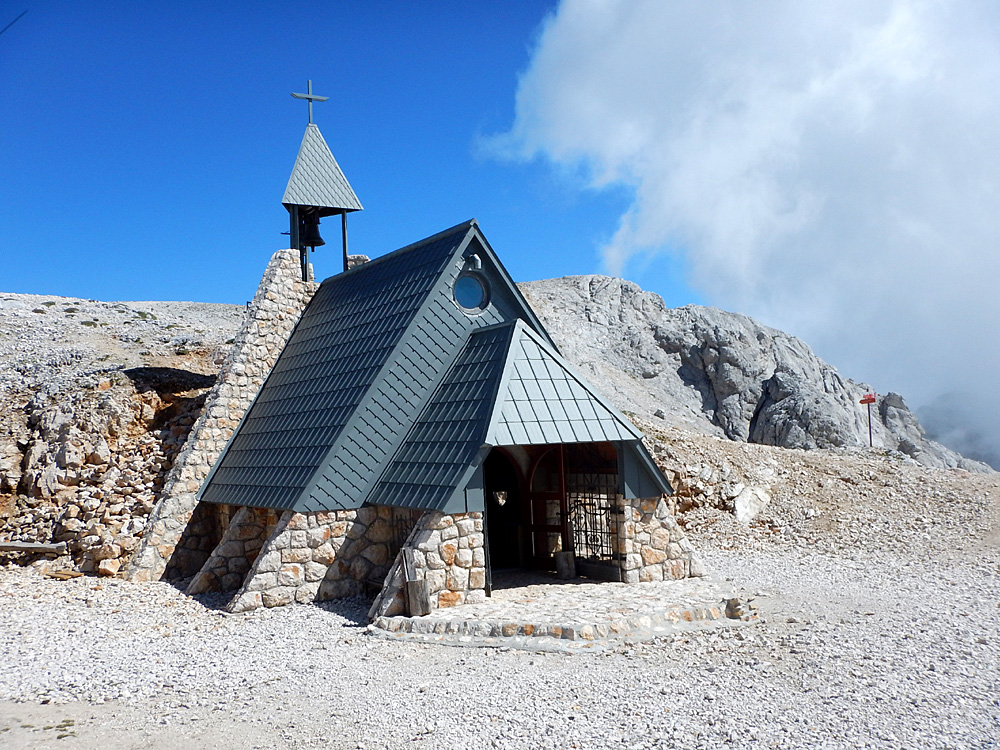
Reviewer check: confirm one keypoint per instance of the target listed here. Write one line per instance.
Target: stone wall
(236, 552)
(294, 560)
(307, 557)
(371, 544)
(449, 553)
(653, 546)
(319, 556)
(201, 535)
(271, 317)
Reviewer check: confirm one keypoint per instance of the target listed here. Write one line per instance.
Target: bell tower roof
(317, 179)
(317, 188)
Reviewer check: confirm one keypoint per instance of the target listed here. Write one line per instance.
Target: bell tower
(316, 188)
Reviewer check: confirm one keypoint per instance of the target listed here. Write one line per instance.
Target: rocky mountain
(97, 399)
(719, 373)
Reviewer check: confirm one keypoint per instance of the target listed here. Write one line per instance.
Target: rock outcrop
(719, 373)
(98, 399)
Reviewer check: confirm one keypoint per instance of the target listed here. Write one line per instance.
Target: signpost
(869, 399)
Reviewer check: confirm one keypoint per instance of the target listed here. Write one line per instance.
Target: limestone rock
(718, 373)
(750, 502)
(109, 567)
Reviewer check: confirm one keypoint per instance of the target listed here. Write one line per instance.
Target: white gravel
(49, 344)
(858, 649)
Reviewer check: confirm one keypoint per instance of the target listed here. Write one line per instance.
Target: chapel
(417, 434)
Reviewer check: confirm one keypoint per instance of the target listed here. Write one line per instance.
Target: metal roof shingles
(545, 403)
(449, 433)
(337, 378)
(317, 179)
(418, 361)
(320, 436)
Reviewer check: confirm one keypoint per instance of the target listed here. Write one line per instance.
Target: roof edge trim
(413, 245)
(647, 460)
(512, 286)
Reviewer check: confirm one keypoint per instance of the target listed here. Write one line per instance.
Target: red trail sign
(869, 399)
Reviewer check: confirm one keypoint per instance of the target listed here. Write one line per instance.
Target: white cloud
(831, 169)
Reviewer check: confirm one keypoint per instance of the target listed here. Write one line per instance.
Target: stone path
(537, 611)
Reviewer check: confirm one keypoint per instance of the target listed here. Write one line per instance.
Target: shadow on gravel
(217, 601)
(354, 609)
(212, 600)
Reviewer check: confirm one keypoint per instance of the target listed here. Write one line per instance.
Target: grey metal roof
(450, 433)
(389, 392)
(370, 350)
(342, 342)
(543, 401)
(508, 387)
(317, 179)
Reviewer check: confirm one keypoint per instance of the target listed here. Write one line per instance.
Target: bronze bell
(310, 232)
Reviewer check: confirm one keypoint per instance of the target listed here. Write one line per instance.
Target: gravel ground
(878, 584)
(856, 649)
(49, 343)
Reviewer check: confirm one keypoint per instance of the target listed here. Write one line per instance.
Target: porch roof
(508, 387)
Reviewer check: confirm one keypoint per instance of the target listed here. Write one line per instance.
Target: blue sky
(831, 170)
(145, 146)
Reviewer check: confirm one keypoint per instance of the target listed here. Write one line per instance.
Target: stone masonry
(241, 543)
(367, 552)
(271, 317)
(311, 557)
(652, 546)
(449, 553)
(327, 555)
(294, 560)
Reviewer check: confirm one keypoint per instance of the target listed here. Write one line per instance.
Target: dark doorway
(504, 511)
(547, 525)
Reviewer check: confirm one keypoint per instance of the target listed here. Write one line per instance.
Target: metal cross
(311, 97)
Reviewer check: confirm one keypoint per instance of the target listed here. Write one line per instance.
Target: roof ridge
(468, 224)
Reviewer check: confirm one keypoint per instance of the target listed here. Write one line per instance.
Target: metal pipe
(343, 230)
(870, 444)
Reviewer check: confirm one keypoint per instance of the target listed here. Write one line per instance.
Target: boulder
(750, 502)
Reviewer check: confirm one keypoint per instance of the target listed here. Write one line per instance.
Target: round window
(470, 292)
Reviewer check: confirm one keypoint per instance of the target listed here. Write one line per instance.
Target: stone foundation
(368, 551)
(448, 554)
(202, 533)
(294, 560)
(652, 546)
(331, 555)
(271, 317)
(319, 556)
(232, 558)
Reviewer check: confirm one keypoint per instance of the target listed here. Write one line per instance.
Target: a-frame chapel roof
(389, 391)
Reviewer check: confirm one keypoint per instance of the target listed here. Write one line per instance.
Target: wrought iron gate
(591, 494)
